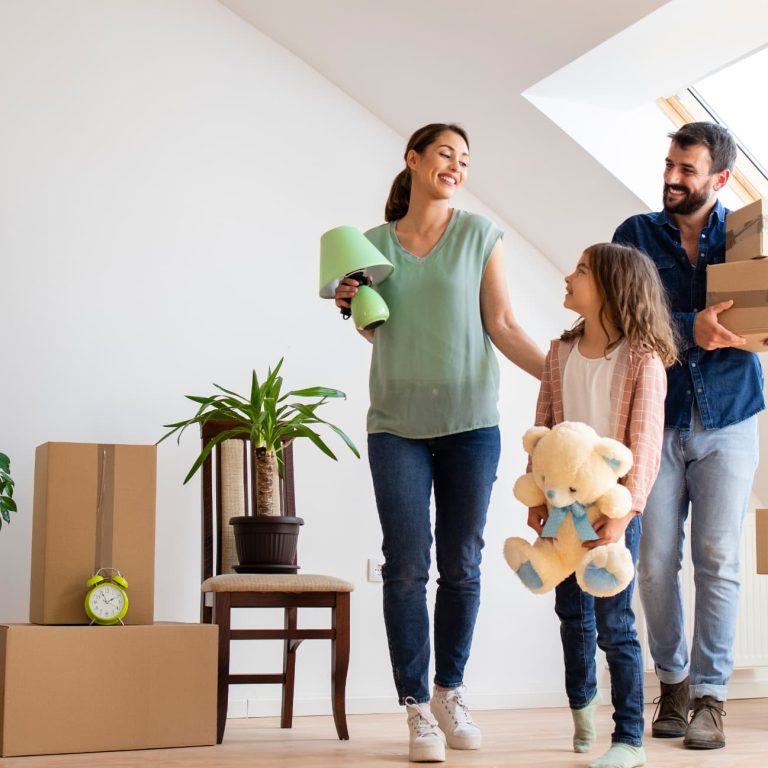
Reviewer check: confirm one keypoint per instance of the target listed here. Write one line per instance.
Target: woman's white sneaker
(454, 719)
(426, 744)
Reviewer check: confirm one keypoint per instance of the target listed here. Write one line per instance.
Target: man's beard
(692, 202)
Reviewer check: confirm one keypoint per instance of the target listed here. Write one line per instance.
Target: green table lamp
(347, 252)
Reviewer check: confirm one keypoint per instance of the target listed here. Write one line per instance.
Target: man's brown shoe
(671, 717)
(705, 731)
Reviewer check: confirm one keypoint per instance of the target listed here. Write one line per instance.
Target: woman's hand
(609, 530)
(537, 516)
(343, 295)
(346, 290)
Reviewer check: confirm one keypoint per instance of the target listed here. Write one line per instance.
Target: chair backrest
(228, 476)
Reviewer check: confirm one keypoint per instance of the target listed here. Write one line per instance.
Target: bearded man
(710, 447)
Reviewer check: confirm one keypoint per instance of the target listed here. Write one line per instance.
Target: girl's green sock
(584, 733)
(620, 756)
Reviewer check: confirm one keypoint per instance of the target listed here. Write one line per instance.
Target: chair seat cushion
(275, 582)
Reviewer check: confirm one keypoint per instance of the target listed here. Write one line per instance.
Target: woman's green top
(433, 369)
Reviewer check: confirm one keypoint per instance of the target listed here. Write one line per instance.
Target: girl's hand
(537, 516)
(609, 530)
(346, 290)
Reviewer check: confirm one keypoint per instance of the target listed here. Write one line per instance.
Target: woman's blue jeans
(462, 469)
(587, 621)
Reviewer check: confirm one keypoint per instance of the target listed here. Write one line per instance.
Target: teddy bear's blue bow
(580, 522)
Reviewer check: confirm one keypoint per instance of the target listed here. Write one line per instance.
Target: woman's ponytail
(399, 196)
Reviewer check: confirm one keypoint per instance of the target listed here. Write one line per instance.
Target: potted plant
(7, 504)
(270, 418)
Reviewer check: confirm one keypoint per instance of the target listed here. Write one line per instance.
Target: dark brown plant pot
(266, 544)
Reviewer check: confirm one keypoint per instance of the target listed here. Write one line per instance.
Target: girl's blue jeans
(586, 622)
(462, 469)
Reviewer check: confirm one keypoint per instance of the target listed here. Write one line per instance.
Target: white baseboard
(745, 684)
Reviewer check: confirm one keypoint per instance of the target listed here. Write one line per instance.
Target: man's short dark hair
(717, 139)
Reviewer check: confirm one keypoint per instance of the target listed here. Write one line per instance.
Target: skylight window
(736, 95)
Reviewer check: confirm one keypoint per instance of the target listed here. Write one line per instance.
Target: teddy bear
(575, 472)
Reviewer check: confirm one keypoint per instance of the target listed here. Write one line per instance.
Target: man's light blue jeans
(709, 473)
(462, 468)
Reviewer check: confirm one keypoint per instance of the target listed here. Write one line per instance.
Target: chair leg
(289, 670)
(340, 663)
(222, 613)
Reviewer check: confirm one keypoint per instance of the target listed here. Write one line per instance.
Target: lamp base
(369, 310)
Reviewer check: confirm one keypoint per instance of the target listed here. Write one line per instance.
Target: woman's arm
(499, 321)
(537, 516)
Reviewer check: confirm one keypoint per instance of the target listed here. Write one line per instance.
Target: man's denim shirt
(727, 384)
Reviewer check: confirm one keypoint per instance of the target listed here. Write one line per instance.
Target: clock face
(106, 601)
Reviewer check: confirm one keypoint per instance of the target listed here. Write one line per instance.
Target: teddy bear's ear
(532, 437)
(615, 454)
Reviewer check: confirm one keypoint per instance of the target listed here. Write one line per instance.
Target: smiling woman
(433, 423)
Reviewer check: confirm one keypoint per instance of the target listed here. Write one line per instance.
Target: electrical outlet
(374, 568)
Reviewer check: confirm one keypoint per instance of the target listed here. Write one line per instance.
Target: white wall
(166, 174)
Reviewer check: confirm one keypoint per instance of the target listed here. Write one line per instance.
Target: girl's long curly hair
(632, 299)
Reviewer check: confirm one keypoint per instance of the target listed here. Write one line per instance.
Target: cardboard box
(92, 689)
(761, 536)
(94, 507)
(746, 282)
(745, 233)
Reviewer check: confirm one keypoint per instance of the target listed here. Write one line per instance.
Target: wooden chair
(222, 590)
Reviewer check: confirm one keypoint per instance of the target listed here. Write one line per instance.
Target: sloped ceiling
(411, 62)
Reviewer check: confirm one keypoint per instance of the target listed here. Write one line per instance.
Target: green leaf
(318, 392)
(209, 446)
(316, 439)
(8, 503)
(352, 447)
(199, 399)
(257, 394)
(239, 398)
(5, 463)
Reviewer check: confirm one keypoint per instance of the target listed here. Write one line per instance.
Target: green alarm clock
(106, 601)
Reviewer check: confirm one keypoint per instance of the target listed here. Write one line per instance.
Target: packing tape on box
(105, 507)
(741, 299)
(752, 227)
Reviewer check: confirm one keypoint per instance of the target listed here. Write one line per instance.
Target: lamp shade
(344, 251)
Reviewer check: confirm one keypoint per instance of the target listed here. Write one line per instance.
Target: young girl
(608, 372)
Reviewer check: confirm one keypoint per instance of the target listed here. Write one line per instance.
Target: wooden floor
(519, 738)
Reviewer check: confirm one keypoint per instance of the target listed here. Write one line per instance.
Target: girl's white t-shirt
(587, 389)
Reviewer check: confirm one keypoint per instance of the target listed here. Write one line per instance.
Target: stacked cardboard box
(761, 527)
(745, 236)
(744, 276)
(93, 689)
(94, 507)
(79, 688)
